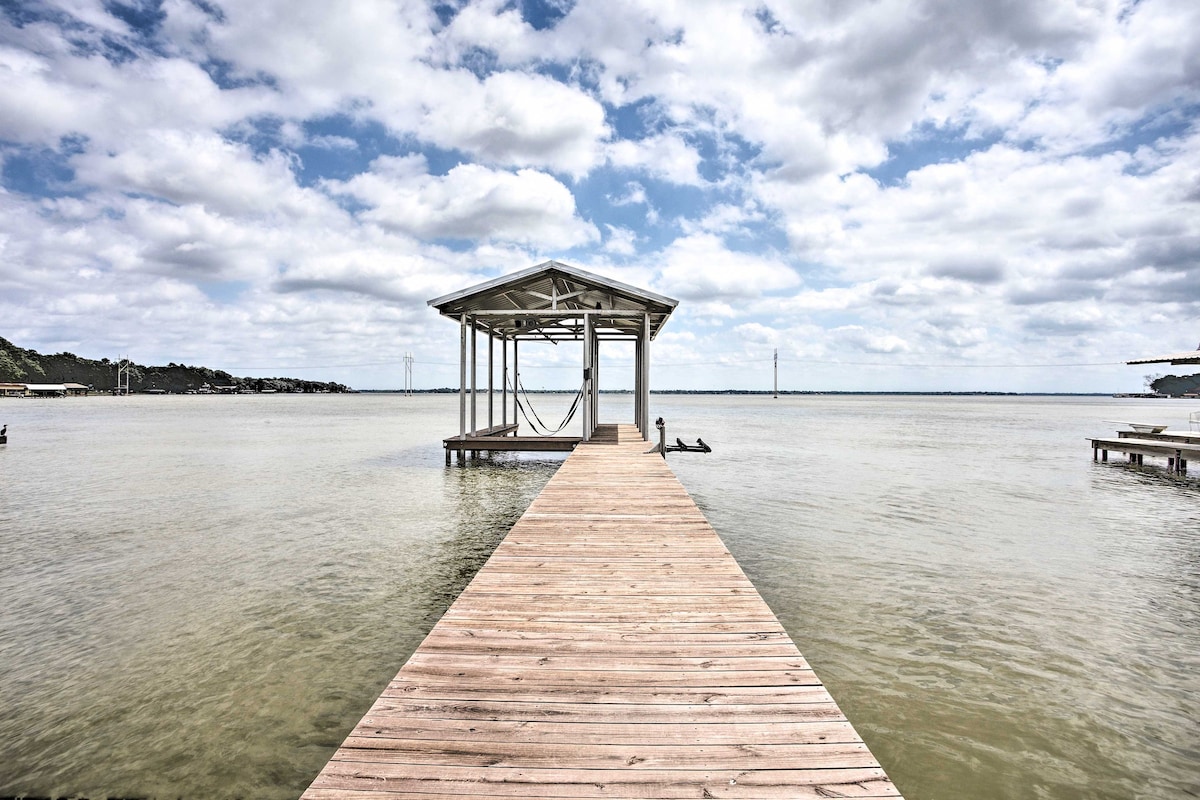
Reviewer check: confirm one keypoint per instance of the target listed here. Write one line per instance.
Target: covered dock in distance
(551, 302)
(1187, 357)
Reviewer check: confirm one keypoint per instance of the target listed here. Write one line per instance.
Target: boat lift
(679, 447)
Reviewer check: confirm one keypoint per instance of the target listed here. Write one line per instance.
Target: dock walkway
(611, 647)
(1177, 447)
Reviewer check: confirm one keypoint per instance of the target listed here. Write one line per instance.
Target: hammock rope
(535, 422)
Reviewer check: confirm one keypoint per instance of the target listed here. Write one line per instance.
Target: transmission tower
(777, 373)
(408, 373)
(123, 366)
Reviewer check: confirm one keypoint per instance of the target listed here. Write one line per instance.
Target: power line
(743, 362)
(321, 366)
(726, 363)
(958, 366)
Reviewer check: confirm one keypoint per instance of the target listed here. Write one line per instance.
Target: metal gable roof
(556, 289)
(1190, 357)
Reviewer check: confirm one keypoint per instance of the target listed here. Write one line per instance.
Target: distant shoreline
(782, 393)
(660, 392)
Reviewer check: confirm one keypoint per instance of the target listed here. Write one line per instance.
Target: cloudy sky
(896, 194)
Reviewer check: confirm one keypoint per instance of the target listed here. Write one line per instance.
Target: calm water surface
(199, 596)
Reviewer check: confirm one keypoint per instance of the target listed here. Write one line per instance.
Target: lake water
(200, 596)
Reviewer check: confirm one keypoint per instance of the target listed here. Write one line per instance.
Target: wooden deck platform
(515, 443)
(1176, 451)
(610, 648)
(504, 438)
(1187, 437)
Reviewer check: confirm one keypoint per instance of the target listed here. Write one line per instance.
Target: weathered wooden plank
(511, 691)
(384, 726)
(673, 627)
(697, 587)
(518, 645)
(624, 783)
(714, 679)
(610, 647)
(421, 660)
(494, 709)
(544, 755)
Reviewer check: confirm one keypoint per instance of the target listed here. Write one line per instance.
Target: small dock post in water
(611, 647)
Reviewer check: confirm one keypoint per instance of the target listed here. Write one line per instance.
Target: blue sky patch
(1161, 123)
(445, 12)
(928, 144)
(224, 292)
(226, 75)
(144, 18)
(38, 172)
(543, 15)
(637, 120)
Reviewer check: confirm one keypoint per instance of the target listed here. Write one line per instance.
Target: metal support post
(644, 342)
(588, 332)
(474, 370)
(637, 386)
(462, 381)
(595, 378)
(491, 376)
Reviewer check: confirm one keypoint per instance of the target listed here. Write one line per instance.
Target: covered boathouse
(550, 302)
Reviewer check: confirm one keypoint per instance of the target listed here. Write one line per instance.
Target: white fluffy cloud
(910, 180)
(205, 169)
(515, 118)
(700, 267)
(666, 157)
(469, 202)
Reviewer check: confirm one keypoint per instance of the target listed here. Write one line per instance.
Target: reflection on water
(484, 498)
(200, 596)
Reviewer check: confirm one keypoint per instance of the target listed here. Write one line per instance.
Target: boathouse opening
(552, 302)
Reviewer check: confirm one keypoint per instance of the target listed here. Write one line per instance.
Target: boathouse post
(462, 381)
(474, 362)
(491, 375)
(595, 377)
(637, 387)
(588, 350)
(637, 381)
(503, 380)
(643, 390)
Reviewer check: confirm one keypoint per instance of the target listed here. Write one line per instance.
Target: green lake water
(200, 596)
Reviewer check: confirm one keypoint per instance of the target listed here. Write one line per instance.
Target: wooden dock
(611, 647)
(504, 438)
(1177, 451)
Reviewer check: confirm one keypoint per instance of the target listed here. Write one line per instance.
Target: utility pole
(776, 373)
(408, 374)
